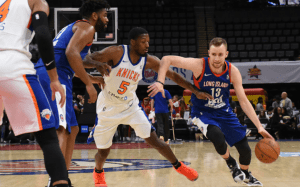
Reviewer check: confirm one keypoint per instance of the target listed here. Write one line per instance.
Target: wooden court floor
(129, 166)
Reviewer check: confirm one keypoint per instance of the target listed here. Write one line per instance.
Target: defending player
(71, 45)
(215, 117)
(118, 103)
(26, 104)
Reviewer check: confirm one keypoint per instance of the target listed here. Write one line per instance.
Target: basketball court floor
(138, 165)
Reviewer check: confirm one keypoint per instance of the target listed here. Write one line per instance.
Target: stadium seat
(174, 28)
(263, 26)
(166, 41)
(261, 33)
(192, 48)
(158, 42)
(273, 39)
(240, 40)
(290, 39)
(248, 40)
(295, 32)
(238, 27)
(191, 41)
(231, 40)
(256, 39)
(159, 34)
(286, 32)
(279, 54)
(229, 27)
(183, 41)
(175, 34)
(183, 34)
(280, 25)
(174, 41)
(234, 54)
(267, 46)
(282, 39)
(246, 26)
(269, 32)
(285, 46)
(237, 33)
(290, 54)
(175, 48)
(249, 47)
(258, 47)
(167, 48)
(271, 54)
(262, 54)
(255, 26)
(243, 54)
(167, 34)
(278, 32)
(241, 47)
(193, 55)
(275, 46)
(253, 33)
(159, 48)
(295, 46)
(232, 47)
(245, 33)
(265, 39)
(289, 25)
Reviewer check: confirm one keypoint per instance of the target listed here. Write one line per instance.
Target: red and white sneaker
(99, 179)
(190, 173)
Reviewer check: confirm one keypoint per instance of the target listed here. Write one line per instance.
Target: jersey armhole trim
(197, 80)
(229, 71)
(121, 58)
(143, 73)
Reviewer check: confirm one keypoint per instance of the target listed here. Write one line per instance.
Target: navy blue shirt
(160, 103)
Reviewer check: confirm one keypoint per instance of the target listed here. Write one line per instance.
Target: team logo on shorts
(37, 166)
(125, 98)
(46, 113)
(149, 76)
(61, 117)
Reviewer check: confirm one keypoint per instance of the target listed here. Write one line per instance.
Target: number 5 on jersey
(123, 87)
(4, 8)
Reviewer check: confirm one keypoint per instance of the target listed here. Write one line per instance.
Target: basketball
(267, 150)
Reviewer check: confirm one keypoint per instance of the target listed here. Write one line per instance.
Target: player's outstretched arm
(40, 11)
(236, 79)
(101, 59)
(162, 67)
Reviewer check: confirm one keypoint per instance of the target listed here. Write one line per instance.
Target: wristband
(160, 82)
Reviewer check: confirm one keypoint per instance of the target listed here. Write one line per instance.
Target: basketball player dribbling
(118, 103)
(26, 105)
(71, 45)
(215, 117)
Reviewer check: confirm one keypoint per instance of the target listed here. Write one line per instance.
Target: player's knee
(244, 151)
(215, 135)
(75, 130)
(46, 136)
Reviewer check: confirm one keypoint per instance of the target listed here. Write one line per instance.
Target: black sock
(61, 185)
(69, 182)
(98, 171)
(230, 161)
(176, 164)
(246, 172)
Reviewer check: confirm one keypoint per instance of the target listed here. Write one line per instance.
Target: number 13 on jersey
(123, 87)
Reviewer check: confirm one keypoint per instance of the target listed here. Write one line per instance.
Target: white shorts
(26, 105)
(110, 116)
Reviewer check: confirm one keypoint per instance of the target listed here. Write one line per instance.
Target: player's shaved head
(136, 32)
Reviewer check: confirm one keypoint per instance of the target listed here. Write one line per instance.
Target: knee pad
(244, 150)
(46, 136)
(216, 136)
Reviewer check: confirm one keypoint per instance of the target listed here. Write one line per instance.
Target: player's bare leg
(98, 174)
(70, 145)
(165, 150)
(62, 135)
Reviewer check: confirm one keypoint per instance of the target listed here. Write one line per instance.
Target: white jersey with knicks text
(123, 80)
(15, 37)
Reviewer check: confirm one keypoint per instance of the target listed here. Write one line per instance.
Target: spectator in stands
(276, 102)
(182, 107)
(253, 105)
(259, 105)
(175, 105)
(232, 103)
(190, 104)
(241, 116)
(81, 105)
(146, 105)
(287, 103)
(162, 114)
(270, 112)
(262, 115)
(294, 109)
(277, 123)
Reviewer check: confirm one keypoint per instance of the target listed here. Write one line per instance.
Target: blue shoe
(91, 136)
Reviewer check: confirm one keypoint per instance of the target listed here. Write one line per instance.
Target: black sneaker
(49, 183)
(237, 174)
(252, 181)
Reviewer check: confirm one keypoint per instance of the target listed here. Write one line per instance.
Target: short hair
(136, 32)
(217, 42)
(90, 6)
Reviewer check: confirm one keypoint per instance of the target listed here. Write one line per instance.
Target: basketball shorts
(111, 115)
(226, 121)
(26, 104)
(64, 116)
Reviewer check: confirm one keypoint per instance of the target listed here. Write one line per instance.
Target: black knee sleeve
(216, 136)
(244, 151)
(54, 160)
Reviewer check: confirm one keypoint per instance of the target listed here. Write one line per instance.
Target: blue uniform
(218, 111)
(63, 116)
(161, 104)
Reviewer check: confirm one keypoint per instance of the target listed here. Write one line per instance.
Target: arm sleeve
(43, 37)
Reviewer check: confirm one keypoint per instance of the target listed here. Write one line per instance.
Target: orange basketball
(267, 150)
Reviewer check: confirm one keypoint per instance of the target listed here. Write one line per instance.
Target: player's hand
(92, 93)
(103, 68)
(203, 95)
(264, 133)
(98, 80)
(153, 89)
(57, 87)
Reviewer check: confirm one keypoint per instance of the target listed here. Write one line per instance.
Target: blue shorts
(64, 116)
(226, 121)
